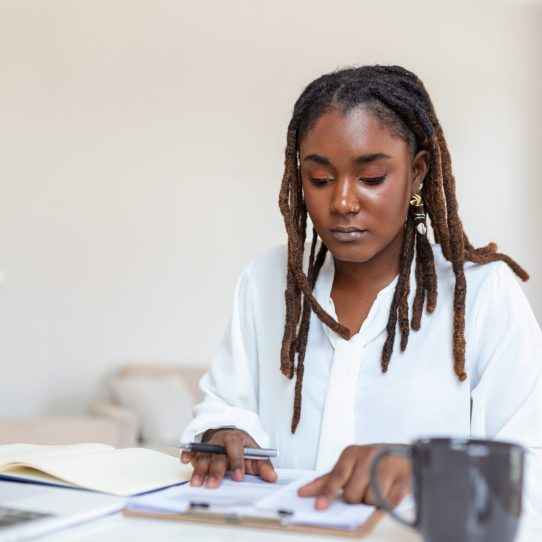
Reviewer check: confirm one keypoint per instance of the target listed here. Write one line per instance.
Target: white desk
(119, 529)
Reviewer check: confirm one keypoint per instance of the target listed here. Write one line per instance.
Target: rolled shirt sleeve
(230, 387)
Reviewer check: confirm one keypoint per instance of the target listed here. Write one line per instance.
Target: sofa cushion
(163, 405)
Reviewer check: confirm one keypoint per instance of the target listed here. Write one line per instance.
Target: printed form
(255, 498)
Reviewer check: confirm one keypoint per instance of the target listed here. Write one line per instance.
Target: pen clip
(285, 513)
(199, 505)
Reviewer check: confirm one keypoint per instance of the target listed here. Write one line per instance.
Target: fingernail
(321, 503)
(211, 481)
(195, 481)
(238, 475)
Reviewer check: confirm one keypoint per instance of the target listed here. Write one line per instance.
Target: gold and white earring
(419, 213)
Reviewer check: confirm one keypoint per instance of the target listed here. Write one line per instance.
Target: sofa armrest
(58, 430)
(124, 418)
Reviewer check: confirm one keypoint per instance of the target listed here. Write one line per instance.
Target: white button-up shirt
(346, 397)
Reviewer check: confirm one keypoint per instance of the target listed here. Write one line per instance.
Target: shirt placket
(338, 422)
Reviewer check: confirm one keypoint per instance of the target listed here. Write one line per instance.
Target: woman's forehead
(357, 131)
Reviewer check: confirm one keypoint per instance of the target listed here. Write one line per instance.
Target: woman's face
(357, 181)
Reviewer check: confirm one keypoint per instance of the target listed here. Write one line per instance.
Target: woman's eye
(373, 181)
(320, 182)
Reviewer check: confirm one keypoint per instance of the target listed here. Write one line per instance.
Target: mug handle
(381, 502)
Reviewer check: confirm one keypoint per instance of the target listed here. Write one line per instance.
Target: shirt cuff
(229, 417)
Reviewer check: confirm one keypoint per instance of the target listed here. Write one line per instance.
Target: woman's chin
(348, 252)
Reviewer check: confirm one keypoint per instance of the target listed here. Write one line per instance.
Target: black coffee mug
(465, 490)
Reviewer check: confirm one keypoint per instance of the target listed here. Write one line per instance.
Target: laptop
(28, 510)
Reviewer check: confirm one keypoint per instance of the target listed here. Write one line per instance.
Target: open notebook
(98, 467)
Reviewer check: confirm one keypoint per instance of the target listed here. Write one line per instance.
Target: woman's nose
(345, 199)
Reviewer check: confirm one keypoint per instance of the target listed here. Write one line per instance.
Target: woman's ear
(420, 166)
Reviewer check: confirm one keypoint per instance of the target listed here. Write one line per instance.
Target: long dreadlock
(399, 99)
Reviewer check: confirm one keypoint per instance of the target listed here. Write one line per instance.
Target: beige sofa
(113, 423)
(152, 383)
(61, 430)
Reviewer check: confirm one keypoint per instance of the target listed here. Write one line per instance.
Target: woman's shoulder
(274, 259)
(268, 270)
(270, 260)
(267, 267)
(485, 277)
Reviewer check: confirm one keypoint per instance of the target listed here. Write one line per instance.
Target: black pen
(248, 453)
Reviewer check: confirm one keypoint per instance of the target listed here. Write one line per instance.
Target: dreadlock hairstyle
(399, 99)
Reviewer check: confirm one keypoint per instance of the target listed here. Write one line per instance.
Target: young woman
(372, 335)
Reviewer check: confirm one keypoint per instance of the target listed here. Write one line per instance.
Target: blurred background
(141, 152)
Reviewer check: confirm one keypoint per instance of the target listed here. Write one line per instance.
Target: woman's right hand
(214, 466)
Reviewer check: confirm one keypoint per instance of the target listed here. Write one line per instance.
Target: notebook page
(122, 472)
(32, 475)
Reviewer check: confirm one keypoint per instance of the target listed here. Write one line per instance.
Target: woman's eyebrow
(362, 159)
(317, 158)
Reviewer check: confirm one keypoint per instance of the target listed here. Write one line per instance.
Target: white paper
(339, 515)
(235, 496)
(256, 498)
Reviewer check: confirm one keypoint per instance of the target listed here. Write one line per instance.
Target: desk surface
(117, 527)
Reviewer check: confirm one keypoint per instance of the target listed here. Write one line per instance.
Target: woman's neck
(373, 274)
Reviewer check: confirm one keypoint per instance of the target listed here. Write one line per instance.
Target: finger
(201, 468)
(250, 467)
(186, 456)
(312, 488)
(399, 491)
(266, 470)
(356, 487)
(234, 444)
(194, 458)
(217, 468)
(389, 475)
(385, 482)
(334, 482)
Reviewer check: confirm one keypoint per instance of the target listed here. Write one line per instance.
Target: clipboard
(277, 524)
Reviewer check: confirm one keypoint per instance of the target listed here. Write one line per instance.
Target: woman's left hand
(351, 475)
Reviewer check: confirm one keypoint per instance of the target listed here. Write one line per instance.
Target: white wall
(141, 151)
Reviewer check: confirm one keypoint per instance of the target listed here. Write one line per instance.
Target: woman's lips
(347, 233)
